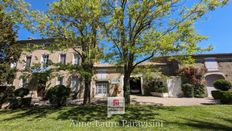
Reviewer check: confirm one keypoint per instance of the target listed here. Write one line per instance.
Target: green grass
(207, 117)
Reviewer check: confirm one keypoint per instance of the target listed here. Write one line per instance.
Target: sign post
(115, 105)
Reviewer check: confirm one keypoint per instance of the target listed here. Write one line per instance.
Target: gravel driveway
(151, 100)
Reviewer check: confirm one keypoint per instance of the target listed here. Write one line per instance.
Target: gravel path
(151, 100)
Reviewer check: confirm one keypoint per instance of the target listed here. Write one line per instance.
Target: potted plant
(159, 90)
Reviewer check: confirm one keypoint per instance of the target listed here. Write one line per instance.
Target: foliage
(39, 80)
(141, 30)
(158, 86)
(222, 85)
(13, 14)
(74, 24)
(8, 50)
(21, 92)
(197, 90)
(57, 95)
(216, 94)
(191, 74)
(188, 90)
(6, 93)
(226, 97)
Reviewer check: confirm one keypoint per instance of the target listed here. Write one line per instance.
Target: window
(23, 83)
(13, 65)
(101, 75)
(74, 83)
(76, 59)
(101, 88)
(44, 61)
(60, 80)
(62, 58)
(211, 64)
(28, 62)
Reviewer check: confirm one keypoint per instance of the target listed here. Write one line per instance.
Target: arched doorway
(210, 79)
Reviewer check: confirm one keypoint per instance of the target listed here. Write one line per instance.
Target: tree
(71, 24)
(12, 13)
(8, 49)
(142, 29)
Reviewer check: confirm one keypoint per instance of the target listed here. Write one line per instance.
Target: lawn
(205, 117)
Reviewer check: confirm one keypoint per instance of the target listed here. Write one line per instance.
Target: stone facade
(108, 79)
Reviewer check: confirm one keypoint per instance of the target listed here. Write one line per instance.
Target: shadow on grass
(206, 124)
(33, 113)
(99, 113)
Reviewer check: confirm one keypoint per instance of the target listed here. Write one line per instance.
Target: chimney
(30, 38)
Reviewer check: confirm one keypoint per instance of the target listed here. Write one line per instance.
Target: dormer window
(211, 64)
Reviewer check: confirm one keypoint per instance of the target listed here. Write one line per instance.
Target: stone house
(108, 78)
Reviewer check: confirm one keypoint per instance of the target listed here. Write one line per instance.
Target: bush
(187, 90)
(6, 93)
(199, 90)
(57, 95)
(161, 89)
(216, 94)
(26, 102)
(226, 97)
(223, 85)
(21, 92)
(15, 103)
(190, 90)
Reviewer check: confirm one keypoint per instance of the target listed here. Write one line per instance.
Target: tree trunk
(126, 86)
(87, 80)
(86, 100)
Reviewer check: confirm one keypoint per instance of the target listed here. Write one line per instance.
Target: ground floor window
(101, 88)
(60, 80)
(74, 83)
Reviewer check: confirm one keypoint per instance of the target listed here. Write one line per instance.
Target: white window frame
(21, 83)
(25, 65)
(211, 62)
(74, 84)
(58, 82)
(42, 60)
(76, 61)
(60, 58)
(102, 89)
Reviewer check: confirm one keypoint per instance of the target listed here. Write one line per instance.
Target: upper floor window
(76, 59)
(60, 80)
(211, 64)
(13, 65)
(23, 83)
(44, 60)
(28, 62)
(62, 58)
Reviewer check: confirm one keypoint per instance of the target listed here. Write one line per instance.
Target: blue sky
(217, 26)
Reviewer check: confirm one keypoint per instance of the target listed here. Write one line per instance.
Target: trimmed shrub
(21, 92)
(187, 90)
(226, 97)
(216, 94)
(197, 90)
(57, 95)
(223, 85)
